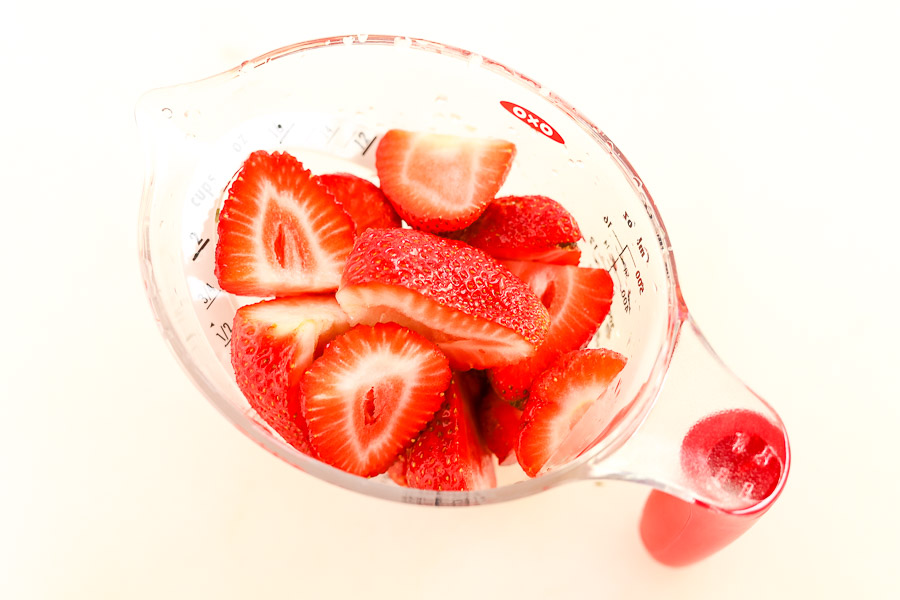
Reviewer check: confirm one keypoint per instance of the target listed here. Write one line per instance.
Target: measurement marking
(626, 299)
(642, 250)
(619, 257)
(211, 296)
(632, 256)
(200, 249)
(281, 141)
(625, 248)
(618, 275)
(613, 231)
(224, 332)
(333, 133)
(366, 149)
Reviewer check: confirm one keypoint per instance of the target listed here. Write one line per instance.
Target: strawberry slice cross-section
(369, 394)
(558, 400)
(450, 454)
(441, 182)
(272, 344)
(467, 303)
(578, 300)
(280, 232)
(361, 199)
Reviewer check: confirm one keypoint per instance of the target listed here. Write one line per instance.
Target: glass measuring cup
(676, 419)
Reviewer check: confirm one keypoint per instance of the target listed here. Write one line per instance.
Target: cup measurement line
(203, 244)
(224, 332)
(211, 295)
(286, 132)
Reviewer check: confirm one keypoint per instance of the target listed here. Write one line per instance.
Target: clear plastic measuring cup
(715, 454)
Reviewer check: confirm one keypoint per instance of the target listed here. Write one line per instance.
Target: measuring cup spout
(715, 452)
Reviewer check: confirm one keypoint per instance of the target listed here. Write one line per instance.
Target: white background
(767, 133)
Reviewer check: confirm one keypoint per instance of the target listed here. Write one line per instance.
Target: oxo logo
(536, 123)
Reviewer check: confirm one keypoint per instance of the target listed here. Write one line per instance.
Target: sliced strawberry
(397, 470)
(473, 384)
(369, 394)
(441, 182)
(272, 344)
(280, 233)
(577, 298)
(525, 228)
(362, 200)
(499, 423)
(559, 398)
(449, 453)
(467, 303)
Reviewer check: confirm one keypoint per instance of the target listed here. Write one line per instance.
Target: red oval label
(532, 120)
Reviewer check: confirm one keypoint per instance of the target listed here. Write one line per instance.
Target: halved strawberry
(280, 233)
(361, 199)
(272, 344)
(499, 423)
(369, 394)
(559, 398)
(467, 303)
(449, 454)
(441, 182)
(577, 298)
(525, 228)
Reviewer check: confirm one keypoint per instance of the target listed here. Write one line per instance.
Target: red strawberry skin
(441, 182)
(559, 398)
(280, 232)
(534, 228)
(272, 344)
(577, 299)
(370, 394)
(397, 470)
(470, 305)
(449, 454)
(361, 199)
(499, 423)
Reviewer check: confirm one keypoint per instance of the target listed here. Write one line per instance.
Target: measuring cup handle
(715, 452)
(678, 533)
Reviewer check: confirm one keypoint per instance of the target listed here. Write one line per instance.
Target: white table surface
(768, 135)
